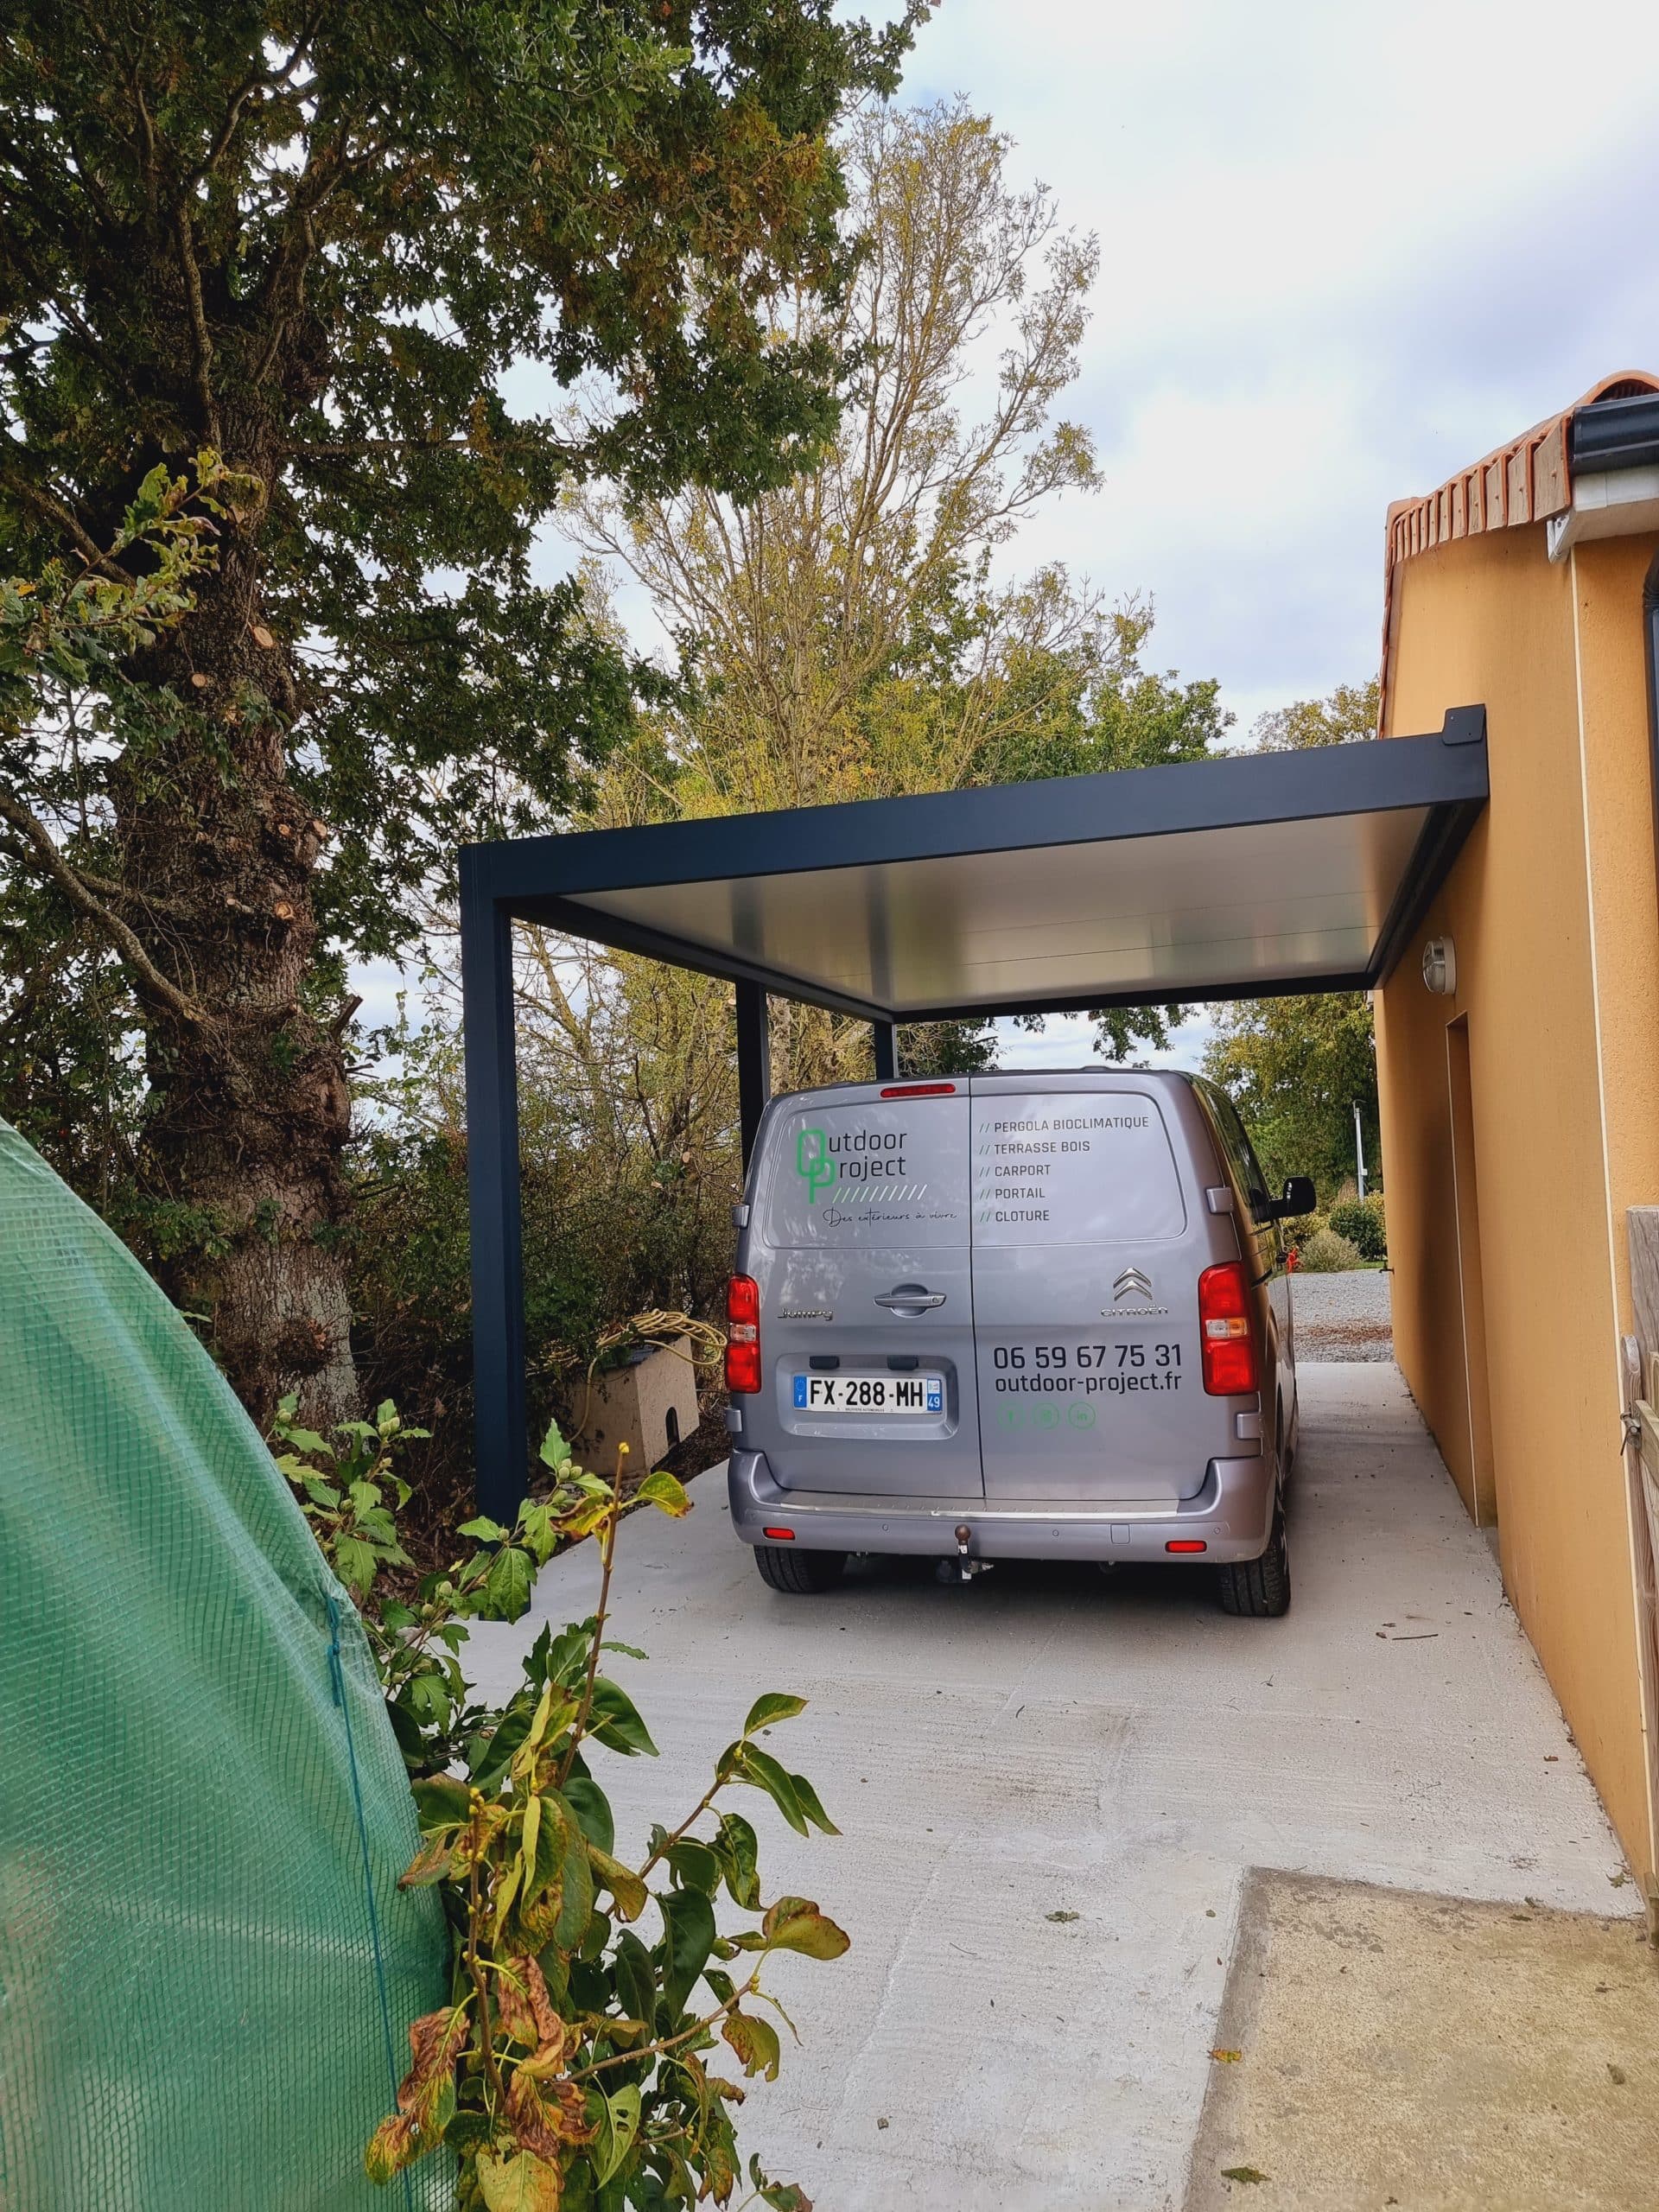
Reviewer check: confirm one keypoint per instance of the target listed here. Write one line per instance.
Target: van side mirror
(1299, 1197)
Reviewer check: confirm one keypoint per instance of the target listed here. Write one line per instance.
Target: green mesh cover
(202, 1812)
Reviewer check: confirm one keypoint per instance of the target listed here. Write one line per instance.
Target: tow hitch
(964, 1566)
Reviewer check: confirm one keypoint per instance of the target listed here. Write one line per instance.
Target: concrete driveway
(1050, 1786)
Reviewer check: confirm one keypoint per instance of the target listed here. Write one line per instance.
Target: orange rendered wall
(1554, 911)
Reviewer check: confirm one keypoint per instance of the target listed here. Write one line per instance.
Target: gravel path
(1343, 1316)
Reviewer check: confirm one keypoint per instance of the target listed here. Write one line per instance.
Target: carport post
(754, 1062)
(493, 1191)
(885, 1037)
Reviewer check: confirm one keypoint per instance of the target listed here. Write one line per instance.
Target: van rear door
(1086, 1262)
(858, 1240)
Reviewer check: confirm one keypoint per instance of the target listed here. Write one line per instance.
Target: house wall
(1554, 911)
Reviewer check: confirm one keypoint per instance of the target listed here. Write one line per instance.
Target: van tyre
(1260, 1587)
(799, 1575)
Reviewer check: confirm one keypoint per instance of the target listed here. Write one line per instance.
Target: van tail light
(1229, 1367)
(919, 1090)
(743, 1333)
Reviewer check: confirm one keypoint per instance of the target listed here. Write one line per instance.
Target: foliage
(849, 635)
(361, 252)
(1348, 717)
(568, 2069)
(1327, 1254)
(624, 1208)
(67, 1077)
(1294, 1067)
(1362, 1222)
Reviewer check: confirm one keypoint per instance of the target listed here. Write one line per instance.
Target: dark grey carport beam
(1226, 878)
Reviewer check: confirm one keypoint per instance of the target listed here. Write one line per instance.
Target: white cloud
(1345, 250)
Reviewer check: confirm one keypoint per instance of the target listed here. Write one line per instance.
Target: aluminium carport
(1231, 878)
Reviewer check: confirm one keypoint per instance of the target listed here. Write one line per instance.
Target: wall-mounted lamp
(1441, 967)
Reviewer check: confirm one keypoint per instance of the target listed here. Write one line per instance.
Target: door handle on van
(909, 1297)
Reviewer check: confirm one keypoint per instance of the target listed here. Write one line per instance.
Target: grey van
(1013, 1316)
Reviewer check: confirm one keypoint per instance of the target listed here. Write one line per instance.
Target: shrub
(1327, 1253)
(570, 2064)
(1361, 1221)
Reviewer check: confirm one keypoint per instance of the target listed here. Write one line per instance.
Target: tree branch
(148, 978)
(35, 496)
(199, 335)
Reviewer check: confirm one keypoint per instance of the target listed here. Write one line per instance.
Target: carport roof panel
(1207, 879)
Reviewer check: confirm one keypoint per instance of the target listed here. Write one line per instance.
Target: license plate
(870, 1394)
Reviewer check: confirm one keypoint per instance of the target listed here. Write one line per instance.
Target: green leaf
(689, 1920)
(592, 1811)
(760, 1768)
(613, 1720)
(807, 1797)
(354, 1563)
(695, 1866)
(618, 2127)
(665, 1491)
(507, 1586)
(795, 1924)
(740, 1848)
(1243, 2173)
(636, 1978)
(755, 2042)
(775, 1706)
(483, 1530)
(628, 1651)
(468, 2130)
(488, 1756)
(554, 1453)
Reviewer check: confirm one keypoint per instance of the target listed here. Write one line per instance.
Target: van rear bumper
(1231, 1513)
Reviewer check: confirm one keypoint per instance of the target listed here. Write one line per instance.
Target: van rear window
(1083, 1168)
(891, 1173)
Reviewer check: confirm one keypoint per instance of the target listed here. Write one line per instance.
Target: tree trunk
(250, 1108)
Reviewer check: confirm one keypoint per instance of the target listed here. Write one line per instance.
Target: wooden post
(1641, 1369)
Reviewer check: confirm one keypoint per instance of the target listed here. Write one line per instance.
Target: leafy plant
(1362, 1222)
(1327, 1254)
(567, 2070)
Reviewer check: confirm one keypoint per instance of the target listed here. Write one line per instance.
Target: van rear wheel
(799, 1575)
(1259, 1587)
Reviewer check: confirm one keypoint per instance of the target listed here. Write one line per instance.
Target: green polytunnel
(206, 1969)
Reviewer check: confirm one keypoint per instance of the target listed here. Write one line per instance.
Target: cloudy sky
(1346, 249)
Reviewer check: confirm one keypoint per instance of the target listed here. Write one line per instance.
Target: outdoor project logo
(813, 1164)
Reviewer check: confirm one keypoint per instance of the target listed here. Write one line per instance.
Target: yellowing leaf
(624, 1884)
(665, 1492)
(393, 2143)
(755, 2042)
(522, 2183)
(1227, 2058)
(795, 1924)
